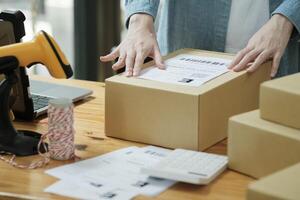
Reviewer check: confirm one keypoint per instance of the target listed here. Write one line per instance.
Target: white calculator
(188, 166)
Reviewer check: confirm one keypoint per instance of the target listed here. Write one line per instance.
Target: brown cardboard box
(257, 147)
(178, 116)
(280, 100)
(281, 185)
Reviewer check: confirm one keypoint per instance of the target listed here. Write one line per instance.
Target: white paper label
(187, 70)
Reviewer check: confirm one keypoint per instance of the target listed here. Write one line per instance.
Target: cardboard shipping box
(178, 116)
(281, 185)
(257, 147)
(280, 100)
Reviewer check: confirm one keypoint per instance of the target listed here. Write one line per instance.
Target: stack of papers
(113, 176)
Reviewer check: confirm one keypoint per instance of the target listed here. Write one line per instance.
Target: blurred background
(83, 29)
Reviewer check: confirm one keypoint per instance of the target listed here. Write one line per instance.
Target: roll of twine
(61, 130)
(60, 135)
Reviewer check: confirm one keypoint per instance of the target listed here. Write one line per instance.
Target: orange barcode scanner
(42, 49)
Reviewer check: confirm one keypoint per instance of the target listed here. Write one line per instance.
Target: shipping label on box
(257, 147)
(280, 100)
(179, 116)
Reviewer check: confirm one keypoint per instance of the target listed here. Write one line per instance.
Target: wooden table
(89, 119)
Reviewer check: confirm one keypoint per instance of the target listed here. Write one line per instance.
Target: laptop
(30, 97)
(42, 92)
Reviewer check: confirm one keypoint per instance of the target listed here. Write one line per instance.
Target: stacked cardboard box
(257, 147)
(281, 185)
(177, 116)
(280, 101)
(267, 140)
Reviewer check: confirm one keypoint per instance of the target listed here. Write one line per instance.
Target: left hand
(267, 43)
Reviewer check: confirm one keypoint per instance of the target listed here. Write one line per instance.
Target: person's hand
(139, 43)
(268, 43)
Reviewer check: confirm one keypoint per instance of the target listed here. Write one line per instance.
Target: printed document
(83, 191)
(189, 70)
(115, 175)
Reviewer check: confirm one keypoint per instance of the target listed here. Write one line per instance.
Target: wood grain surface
(89, 121)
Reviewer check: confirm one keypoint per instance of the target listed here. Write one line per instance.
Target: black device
(13, 90)
(20, 143)
(23, 103)
(42, 49)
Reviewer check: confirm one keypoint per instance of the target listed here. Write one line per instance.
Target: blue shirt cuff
(291, 10)
(132, 7)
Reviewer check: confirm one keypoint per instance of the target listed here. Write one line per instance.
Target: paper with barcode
(186, 69)
(115, 175)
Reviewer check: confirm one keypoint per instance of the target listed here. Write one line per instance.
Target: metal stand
(20, 143)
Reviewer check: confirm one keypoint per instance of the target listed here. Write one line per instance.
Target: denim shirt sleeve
(291, 10)
(149, 7)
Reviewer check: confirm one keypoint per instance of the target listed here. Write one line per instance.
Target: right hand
(139, 43)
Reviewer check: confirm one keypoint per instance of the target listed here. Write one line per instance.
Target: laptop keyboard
(39, 101)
